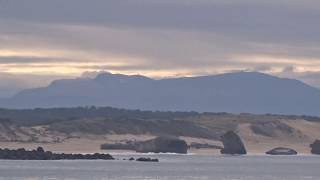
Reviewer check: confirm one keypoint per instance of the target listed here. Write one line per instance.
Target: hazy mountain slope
(234, 92)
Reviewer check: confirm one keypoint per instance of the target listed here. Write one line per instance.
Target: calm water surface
(171, 167)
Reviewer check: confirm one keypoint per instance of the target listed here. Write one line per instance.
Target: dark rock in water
(157, 145)
(131, 159)
(40, 149)
(282, 151)
(41, 154)
(203, 146)
(315, 147)
(163, 145)
(147, 160)
(232, 144)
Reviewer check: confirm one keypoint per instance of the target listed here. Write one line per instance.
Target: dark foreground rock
(315, 147)
(41, 154)
(147, 160)
(203, 146)
(282, 151)
(232, 144)
(163, 145)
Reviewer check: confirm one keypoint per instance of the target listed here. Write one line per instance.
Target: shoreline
(95, 148)
(133, 153)
(91, 144)
(41, 153)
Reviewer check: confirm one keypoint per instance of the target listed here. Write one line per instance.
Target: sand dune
(299, 138)
(308, 132)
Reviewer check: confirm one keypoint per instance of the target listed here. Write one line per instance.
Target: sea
(170, 167)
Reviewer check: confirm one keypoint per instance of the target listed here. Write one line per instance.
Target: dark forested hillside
(41, 116)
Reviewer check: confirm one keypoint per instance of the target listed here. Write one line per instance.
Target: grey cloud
(284, 22)
(263, 68)
(29, 60)
(246, 19)
(202, 36)
(160, 49)
(289, 69)
(278, 22)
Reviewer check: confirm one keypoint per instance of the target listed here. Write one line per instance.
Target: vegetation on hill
(43, 116)
(107, 120)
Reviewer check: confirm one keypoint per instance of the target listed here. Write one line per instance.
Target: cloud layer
(160, 38)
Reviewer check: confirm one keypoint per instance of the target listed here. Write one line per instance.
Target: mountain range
(241, 92)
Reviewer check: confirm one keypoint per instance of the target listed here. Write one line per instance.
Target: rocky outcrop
(41, 154)
(232, 144)
(315, 147)
(195, 145)
(163, 145)
(157, 145)
(282, 151)
(147, 160)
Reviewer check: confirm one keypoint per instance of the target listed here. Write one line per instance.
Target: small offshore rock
(282, 151)
(147, 160)
(163, 145)
(40, 150)
(196, 145)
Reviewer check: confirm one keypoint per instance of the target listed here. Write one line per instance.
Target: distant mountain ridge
(242, 92)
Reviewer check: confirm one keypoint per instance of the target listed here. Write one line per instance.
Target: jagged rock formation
(315, 147)
(232, 144)
(282, 151)
(41, 154)
(163, 145)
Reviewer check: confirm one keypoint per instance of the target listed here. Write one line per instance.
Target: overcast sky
(158, 38)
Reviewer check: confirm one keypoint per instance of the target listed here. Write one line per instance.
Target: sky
(43, 40)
